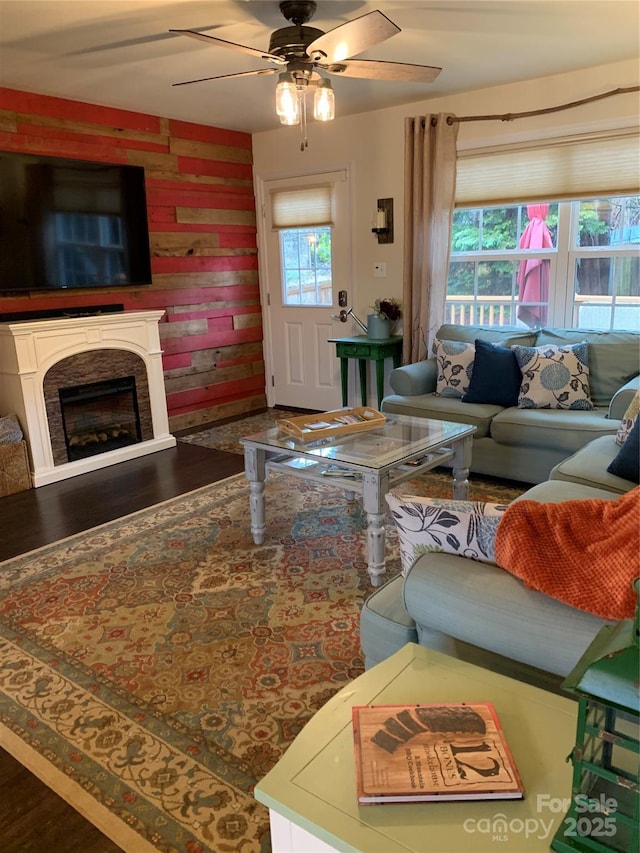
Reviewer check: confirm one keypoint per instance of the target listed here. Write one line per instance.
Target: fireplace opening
(100, 416)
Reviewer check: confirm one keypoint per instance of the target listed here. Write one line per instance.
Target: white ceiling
(120, 53)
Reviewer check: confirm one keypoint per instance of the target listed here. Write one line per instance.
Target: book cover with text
(421, 753)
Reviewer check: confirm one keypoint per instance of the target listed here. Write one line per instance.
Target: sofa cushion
(385, 625)
(614, 357)
(588, 466)
(554, 377)
(505, 335)
(627, 462)
(455, 363)
(563, 429)
(467, 528)
(491, 609)
(443, 409)
(496, 376)
(628, 420)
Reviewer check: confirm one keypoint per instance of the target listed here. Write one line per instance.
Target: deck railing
(593, 312)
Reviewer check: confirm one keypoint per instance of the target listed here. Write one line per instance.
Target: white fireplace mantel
(28, 349)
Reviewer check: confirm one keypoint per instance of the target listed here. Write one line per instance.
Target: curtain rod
(540, 112)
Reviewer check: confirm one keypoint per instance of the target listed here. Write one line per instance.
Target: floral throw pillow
(628, 420)
(455, 364)
(554, 377)
(465, 528)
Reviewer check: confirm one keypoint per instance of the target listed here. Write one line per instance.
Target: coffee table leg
(375, 547)
(375, 487)
(255, 471)
(461, 465)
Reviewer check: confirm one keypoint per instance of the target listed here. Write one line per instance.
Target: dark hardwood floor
(32, 818)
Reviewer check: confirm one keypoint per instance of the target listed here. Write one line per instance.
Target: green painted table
(311, 791)
(366, 349)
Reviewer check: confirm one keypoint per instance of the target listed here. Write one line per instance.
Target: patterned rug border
(74, 794)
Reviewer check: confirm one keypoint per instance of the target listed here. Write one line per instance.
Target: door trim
(298, 179)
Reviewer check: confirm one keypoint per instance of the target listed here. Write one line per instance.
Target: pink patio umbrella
(533, 275)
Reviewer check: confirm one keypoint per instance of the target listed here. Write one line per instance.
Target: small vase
(378, 328)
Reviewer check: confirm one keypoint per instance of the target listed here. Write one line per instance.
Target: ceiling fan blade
(372, 69)
(229, 76)
(259, 54)
(352, 38)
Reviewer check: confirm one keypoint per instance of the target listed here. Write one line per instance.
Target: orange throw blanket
(585, 553)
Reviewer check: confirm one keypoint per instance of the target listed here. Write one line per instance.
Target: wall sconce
(383, 228)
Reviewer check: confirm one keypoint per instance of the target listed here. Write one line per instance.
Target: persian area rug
(153, 670)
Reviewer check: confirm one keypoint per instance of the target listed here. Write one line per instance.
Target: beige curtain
(429, 194)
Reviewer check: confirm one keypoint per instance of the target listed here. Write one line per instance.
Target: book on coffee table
(422, 753)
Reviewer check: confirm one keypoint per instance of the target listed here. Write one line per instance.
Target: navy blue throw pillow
(627, 463)
(496, 376)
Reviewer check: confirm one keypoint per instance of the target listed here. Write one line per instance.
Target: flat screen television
(67, 224)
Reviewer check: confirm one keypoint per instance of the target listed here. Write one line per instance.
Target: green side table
(311, 792)
(366, 349)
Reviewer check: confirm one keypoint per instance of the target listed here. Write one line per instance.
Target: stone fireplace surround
(33, 353)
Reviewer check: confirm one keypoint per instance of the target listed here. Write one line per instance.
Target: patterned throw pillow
(455, 364)
(554, 377)
(628, 420)
(466, 528)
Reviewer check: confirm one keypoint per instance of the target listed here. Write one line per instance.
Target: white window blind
(307, 207)
(564, 168)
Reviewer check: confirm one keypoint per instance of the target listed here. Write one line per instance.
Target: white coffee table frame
(380, 458)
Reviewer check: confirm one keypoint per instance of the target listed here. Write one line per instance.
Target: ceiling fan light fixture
(287, 100)
(324, 101)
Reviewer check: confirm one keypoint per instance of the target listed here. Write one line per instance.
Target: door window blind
(307, 207)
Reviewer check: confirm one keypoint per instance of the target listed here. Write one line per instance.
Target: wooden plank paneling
(101, 140)
(217, 217)
(201, 212)
(200, 166)
(28, 102)
(211, 414)
(208, 151)
(205, 133)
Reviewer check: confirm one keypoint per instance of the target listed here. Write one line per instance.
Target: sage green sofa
(465, 608)
(525, 444)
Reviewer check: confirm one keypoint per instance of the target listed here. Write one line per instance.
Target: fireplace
(99, 417)
(88, 391)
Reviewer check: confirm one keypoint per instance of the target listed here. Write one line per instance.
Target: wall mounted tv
(67, 224)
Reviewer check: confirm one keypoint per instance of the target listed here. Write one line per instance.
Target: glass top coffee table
(365, 463)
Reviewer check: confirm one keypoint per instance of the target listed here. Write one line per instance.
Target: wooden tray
(328, 425)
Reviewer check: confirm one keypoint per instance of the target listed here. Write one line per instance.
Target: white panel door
(305, 372)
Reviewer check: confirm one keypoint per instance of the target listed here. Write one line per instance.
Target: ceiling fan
(300, 52)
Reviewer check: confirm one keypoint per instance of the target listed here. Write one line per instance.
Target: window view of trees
(562, 263)
(306, 266)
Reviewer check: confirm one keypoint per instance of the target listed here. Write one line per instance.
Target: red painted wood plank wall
(202, 222)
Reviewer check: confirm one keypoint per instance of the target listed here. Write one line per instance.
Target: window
(565, 264)
(306, 266)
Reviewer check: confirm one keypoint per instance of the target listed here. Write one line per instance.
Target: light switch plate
(379, 270)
